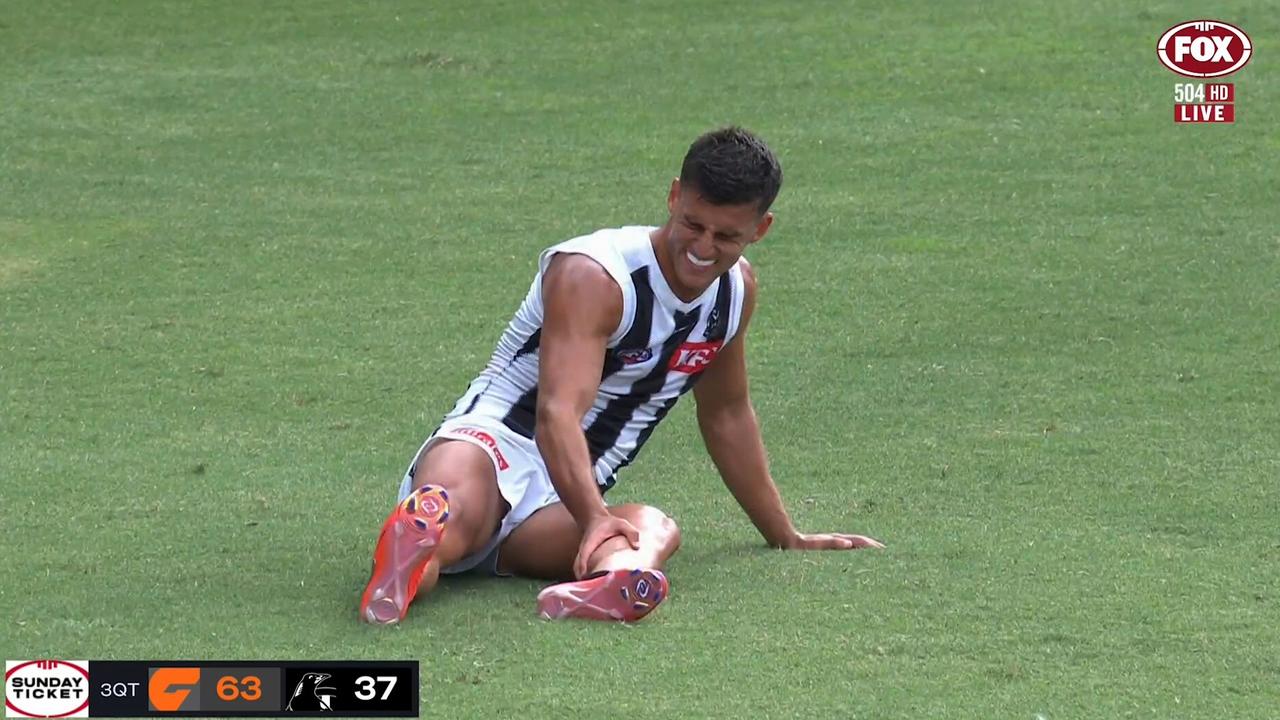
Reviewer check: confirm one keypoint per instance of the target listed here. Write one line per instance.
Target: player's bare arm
(583, 306)
(732, 436)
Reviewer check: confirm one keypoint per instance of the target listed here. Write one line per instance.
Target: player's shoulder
(576, 288)
(614, 248)
(615, 236)
(578, 271)
(748, 273)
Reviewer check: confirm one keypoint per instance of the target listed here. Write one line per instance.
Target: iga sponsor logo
(694, 357)
(1204, 48)
(488, 440)
(46, 688)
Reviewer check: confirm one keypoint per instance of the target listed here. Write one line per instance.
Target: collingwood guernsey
(654, 356)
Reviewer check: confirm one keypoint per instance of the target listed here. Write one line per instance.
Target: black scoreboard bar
(252, 688)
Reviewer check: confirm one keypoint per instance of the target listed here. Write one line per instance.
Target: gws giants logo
(46, 688)
(170, 689)
(694, 357)
(1204, 48)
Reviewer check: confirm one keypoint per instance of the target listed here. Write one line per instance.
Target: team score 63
(231, 688)
(351, 689)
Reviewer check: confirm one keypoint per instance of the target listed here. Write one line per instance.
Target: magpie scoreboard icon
(166, 688)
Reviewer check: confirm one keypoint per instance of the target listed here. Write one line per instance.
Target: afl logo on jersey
(634, 357)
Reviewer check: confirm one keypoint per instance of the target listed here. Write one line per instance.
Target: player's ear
(762, 227)
(673, 195)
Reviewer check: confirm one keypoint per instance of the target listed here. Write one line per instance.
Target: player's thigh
(465, 472)
(545, 545)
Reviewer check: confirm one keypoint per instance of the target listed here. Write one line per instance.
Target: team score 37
(368, 686)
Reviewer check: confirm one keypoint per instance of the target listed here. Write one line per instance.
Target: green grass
(1013, 321)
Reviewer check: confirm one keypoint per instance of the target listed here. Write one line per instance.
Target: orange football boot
(406, 544)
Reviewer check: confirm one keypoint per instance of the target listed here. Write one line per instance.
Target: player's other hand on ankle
(831, 541)
(598, 532)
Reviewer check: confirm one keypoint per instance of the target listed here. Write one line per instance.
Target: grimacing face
(705, 240)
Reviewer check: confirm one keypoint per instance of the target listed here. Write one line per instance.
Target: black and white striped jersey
(656, 354)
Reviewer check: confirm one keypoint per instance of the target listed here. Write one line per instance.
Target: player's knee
(466, 520)
(474, 500)
(671, 532)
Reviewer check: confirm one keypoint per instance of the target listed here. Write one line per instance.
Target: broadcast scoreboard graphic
(173, 688)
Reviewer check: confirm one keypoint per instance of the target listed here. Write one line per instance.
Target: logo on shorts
(694, 357)
(634, 357)
(46, 688)
(488, 441)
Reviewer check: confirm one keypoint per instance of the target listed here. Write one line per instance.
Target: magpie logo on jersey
(311, 694)
(713, 322)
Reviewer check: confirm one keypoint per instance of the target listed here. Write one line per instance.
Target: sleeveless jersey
(655, 355)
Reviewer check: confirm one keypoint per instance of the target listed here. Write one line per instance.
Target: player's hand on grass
(832, 541)
(598, 532)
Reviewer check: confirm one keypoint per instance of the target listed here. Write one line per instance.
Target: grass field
(1013, 322)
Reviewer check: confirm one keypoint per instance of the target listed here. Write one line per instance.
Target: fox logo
(1204, 48)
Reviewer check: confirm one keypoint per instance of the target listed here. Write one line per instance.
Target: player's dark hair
(730, 166)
